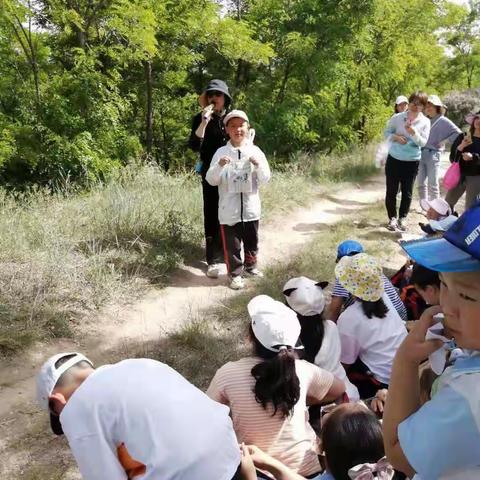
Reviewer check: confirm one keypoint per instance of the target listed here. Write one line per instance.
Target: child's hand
(379, 400)
(247, 467)
(223, 161)
(415, 349)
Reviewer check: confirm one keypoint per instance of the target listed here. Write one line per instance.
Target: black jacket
(472, 167)
(215, 137)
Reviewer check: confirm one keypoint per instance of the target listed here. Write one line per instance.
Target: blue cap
(457, 251)
(348, 248)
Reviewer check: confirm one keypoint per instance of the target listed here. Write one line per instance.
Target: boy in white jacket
(238, 169)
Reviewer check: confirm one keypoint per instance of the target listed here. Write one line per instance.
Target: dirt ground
(28, 450)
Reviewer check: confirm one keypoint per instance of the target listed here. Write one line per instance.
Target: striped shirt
(391, 292)
(290, 440)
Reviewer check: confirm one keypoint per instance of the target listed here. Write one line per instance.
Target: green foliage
(88, 87)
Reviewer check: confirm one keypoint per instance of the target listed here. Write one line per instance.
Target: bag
(452, 176)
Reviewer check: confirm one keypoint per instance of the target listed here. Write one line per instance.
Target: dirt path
(26, 446)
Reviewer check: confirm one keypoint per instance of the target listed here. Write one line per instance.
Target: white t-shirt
(328, 358)
(374, 340)
(168, 426)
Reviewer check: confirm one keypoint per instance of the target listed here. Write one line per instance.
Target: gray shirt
(442, 130)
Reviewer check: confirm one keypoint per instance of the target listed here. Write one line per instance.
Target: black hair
(351, 435)
(423, 277)
(311, 335)
(472, 126)
(276, 380)
(374, 309)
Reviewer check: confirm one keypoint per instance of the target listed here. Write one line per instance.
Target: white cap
(305, 296)
(401, 99)
(235, 114)
(435, 100)
(438, 204)
(273, 323)
(48, 375)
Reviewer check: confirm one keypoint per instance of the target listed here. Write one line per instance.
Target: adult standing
(468, 156)
(408, 132)
(207, 136)
(138, 418)
(441, 130)
(401, 104)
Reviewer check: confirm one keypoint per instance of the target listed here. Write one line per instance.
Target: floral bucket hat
(361, 275)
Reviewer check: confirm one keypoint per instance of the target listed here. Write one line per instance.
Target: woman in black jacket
(207, 136)
(468, 155)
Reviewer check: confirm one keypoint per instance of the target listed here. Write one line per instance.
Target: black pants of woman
(401, 175)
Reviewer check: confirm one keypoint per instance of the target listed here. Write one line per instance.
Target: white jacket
(236, 207)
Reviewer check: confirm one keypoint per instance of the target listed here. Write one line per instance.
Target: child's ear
(288, 291)
(322, 285)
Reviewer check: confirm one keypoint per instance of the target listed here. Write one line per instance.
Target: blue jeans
(428, 170)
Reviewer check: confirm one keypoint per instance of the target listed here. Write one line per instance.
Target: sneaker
(213, 271)
(253, 272)
(402, 224)
(237, 283)
(392, 224)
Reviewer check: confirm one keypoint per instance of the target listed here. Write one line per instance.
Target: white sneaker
(253, 272)
(213, 271)
(402, 224)
(392, 224)
(237, 283)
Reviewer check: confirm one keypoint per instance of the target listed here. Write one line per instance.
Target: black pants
(232, 238)
(401, 174)
(213, 242)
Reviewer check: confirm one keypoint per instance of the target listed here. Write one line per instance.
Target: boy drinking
(238, 169)
(441, 439)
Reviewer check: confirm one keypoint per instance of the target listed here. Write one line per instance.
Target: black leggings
(400, 174)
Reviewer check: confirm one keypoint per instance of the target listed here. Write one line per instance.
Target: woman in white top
(319, 337)
(370, 329)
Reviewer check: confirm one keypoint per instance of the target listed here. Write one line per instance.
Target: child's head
(457, 257)
(348, 248)
(306, 298)
(435, 209)
(427, 284)
(237, 126)
(351, 435)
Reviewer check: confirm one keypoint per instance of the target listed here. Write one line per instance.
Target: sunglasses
(214, 93)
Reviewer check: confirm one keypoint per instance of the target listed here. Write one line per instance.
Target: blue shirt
(442, 439)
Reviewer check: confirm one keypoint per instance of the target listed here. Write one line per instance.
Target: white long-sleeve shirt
(166, 425)
(235, 206)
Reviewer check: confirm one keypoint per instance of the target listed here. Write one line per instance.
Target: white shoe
(237, 283)
(253, 272)
(402, 224)
(213, 271)
(392, 224)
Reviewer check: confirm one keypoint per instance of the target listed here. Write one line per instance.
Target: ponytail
(311, 335)
(276, 379)
(374, 309)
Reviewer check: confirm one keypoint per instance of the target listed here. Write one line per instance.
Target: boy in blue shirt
(441, 439)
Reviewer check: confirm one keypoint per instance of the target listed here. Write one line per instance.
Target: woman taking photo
(408, 133)
(207, 136)
(268, 393)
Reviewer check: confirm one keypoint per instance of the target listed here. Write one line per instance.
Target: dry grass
(63, 255)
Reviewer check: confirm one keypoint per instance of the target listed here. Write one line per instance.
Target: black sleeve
(453, 150)
(194, 142)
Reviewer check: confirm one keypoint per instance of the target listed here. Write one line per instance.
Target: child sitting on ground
(441, 439)
(370, 329)
(352, 443)
(319, 337)
(439, 214)
(238, 169)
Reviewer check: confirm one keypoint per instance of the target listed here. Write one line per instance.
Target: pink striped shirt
(290, 440)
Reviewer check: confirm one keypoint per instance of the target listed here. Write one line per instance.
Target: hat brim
(440, 255)
(55, 424)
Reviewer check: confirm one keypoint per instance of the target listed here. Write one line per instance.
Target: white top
(165, 423)
(238, 183)
(328, 358)
(374, 340)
